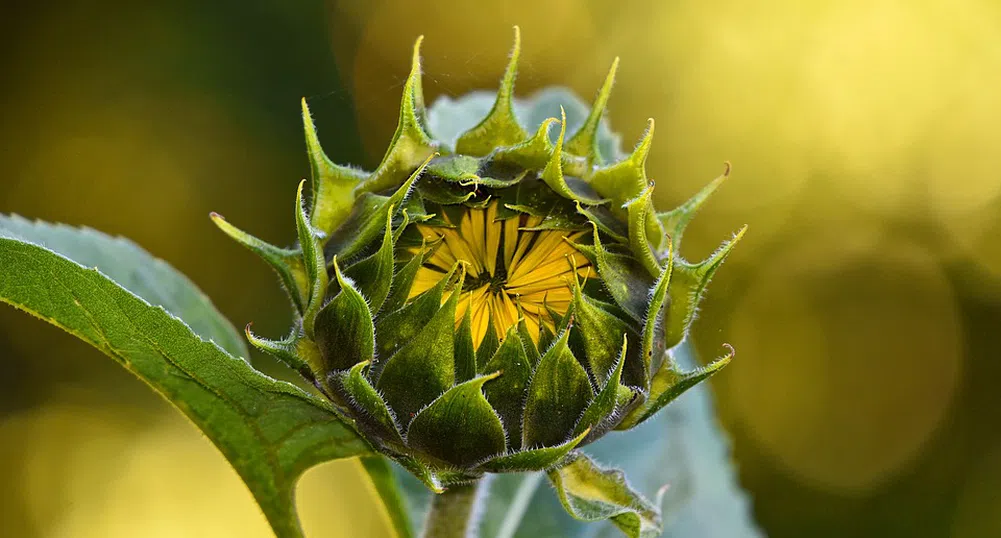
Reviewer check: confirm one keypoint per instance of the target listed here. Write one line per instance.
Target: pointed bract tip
(718, 363)
(312, 140)
(585, 141)
(726, 169)
(545, 126)
(643, 147)
(491, 376)
(416, 60)
(337, 270)
(262, 344)
(606, 87)
(424, 165)
(563, 130)
(659, 498)
(504, 95)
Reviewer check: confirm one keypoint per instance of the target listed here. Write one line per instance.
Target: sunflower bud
(492, 306)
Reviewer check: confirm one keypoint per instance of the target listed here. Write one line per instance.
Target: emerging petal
(513, 270)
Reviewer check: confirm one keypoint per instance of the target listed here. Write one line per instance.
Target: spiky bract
(491, 306)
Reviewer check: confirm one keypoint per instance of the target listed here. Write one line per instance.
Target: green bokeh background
(864, 303)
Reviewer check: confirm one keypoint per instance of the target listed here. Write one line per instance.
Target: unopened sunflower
(494, 302)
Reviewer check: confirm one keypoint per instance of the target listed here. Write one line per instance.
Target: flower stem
(455, 513)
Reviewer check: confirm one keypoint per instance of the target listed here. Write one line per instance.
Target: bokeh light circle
(849, 356)
(465, 48)
(979, 502)
(109, 473)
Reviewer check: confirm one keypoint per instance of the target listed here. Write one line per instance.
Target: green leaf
(368, 218)
(396, 328)
(608, 223)
(343, 331)
(460, 427)
(465, 350)
(624, 278)
(365, 398)
(269, 430)
(293, 350)
(653, 339)
(443, 193)
(498, 175)
(448, 118)
(419, 470)
(333, 185)
(625, 179)
(488, 347)
(682, 447)
(531, 350)
(500, 127)
(534, 459)
(688, 284)
(557, 396)
(286, 262)
(314, 262)
(598, 334)
(383, 479)
(532, 154)
(585, 141)
(640, 212)
(552, 174)
(506, 394)
(424, 367)
(676, 220)
(135, 270)
(403, 280)
(546, 103)
(592, 493)
(670, 382)
(603, 404)
(455, 168)
(374, 275)
(411, 143)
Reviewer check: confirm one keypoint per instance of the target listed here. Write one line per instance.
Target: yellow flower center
(511, 270)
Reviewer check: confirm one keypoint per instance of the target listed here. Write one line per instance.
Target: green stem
(455, 513)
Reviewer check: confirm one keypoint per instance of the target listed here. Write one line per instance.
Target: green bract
(493, 303)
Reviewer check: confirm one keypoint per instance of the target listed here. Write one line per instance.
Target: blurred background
(864, 303)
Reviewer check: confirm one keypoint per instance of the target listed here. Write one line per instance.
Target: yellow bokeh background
(864, 302)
